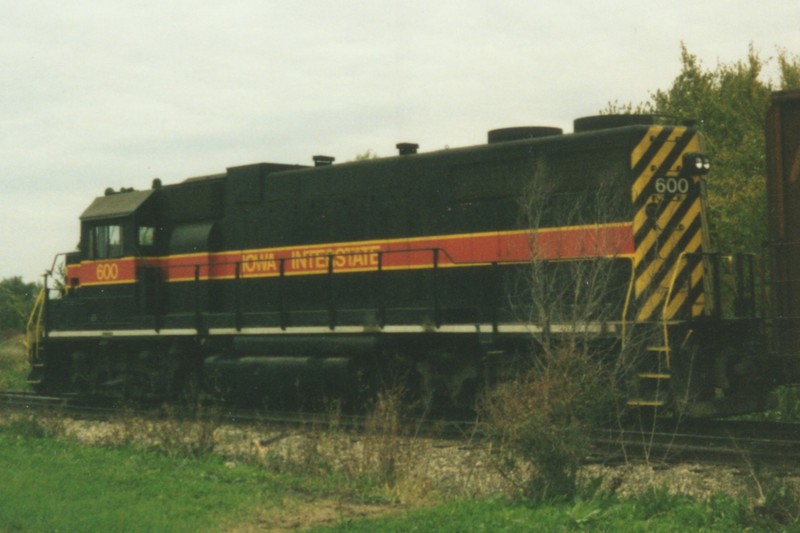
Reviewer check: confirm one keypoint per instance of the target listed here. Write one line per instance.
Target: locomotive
(322, 280)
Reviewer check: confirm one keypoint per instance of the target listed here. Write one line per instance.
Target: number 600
(672, 185)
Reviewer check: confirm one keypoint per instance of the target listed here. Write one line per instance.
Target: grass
(53, 485)
(56, 484)
(654, 511)
(13, 364)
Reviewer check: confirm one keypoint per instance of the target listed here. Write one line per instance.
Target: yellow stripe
(683, 294)
(646, 277)
(91, 283)
(644, 144)
(657, 297)
(658, 160)
(666, 247)
(652, 236)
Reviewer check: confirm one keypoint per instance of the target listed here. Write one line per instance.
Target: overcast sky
(112, 93)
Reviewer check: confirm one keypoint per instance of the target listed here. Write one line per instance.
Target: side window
(106, 241)
(147, 236)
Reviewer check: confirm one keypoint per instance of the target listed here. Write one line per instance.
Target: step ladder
(654, 383)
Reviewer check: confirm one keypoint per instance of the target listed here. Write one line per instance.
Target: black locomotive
(285, 279)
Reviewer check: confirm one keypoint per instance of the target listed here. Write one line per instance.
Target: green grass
(655, 511)
(53, 485)
(13, 364)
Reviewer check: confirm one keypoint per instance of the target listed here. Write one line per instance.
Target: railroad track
(29, 400)
(707, 441)
(100, 409)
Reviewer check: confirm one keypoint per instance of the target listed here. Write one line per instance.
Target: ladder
(654, 383)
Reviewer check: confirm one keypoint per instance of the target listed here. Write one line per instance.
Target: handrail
(670, 288)
(34, 328)
(625, 307)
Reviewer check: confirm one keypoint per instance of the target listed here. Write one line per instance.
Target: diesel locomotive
(321, 280)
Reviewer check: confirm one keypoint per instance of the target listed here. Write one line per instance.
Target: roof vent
(522, 133)
(323, 160)
(407, 148)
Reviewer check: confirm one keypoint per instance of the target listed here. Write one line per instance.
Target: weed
(384, 446)
(788, 405)
(32, 426)
(185, 432)
(380, 457)
(781, 506)
(14, 366)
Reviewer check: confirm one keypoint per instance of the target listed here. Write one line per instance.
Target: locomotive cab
(119, 224)
(119, 231)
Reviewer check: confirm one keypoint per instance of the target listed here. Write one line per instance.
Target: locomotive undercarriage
(288, 371)
(127, 368)
(718, 368)
(443, 371)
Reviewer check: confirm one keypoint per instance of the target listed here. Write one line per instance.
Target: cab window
(106, 241)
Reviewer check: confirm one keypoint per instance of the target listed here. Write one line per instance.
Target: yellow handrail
(670, 289)
(33, 329)
(626, 305)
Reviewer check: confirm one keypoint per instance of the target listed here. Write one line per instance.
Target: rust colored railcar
(783, 190)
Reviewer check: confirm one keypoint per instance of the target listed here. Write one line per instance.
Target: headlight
(695, 164)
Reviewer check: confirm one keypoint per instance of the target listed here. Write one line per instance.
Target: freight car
(783, 245)
(324, 280)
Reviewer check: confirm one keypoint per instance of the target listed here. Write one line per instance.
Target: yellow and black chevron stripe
(668, 226)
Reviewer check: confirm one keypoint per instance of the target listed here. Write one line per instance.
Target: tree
(366, 156)
(16, 302)
(729, 104)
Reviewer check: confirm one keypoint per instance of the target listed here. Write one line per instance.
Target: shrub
(540, 423)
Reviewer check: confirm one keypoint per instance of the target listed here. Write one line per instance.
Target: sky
(116, 93)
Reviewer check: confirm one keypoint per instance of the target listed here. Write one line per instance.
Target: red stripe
(450, 250)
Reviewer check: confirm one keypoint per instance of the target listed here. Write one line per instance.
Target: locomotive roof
(116, 204)
(624, 135)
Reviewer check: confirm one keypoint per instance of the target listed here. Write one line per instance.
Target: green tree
(366, 155)
(16, 302)
(729, 103)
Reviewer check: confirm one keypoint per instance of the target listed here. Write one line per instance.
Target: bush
(540, 423)
(16, 302)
